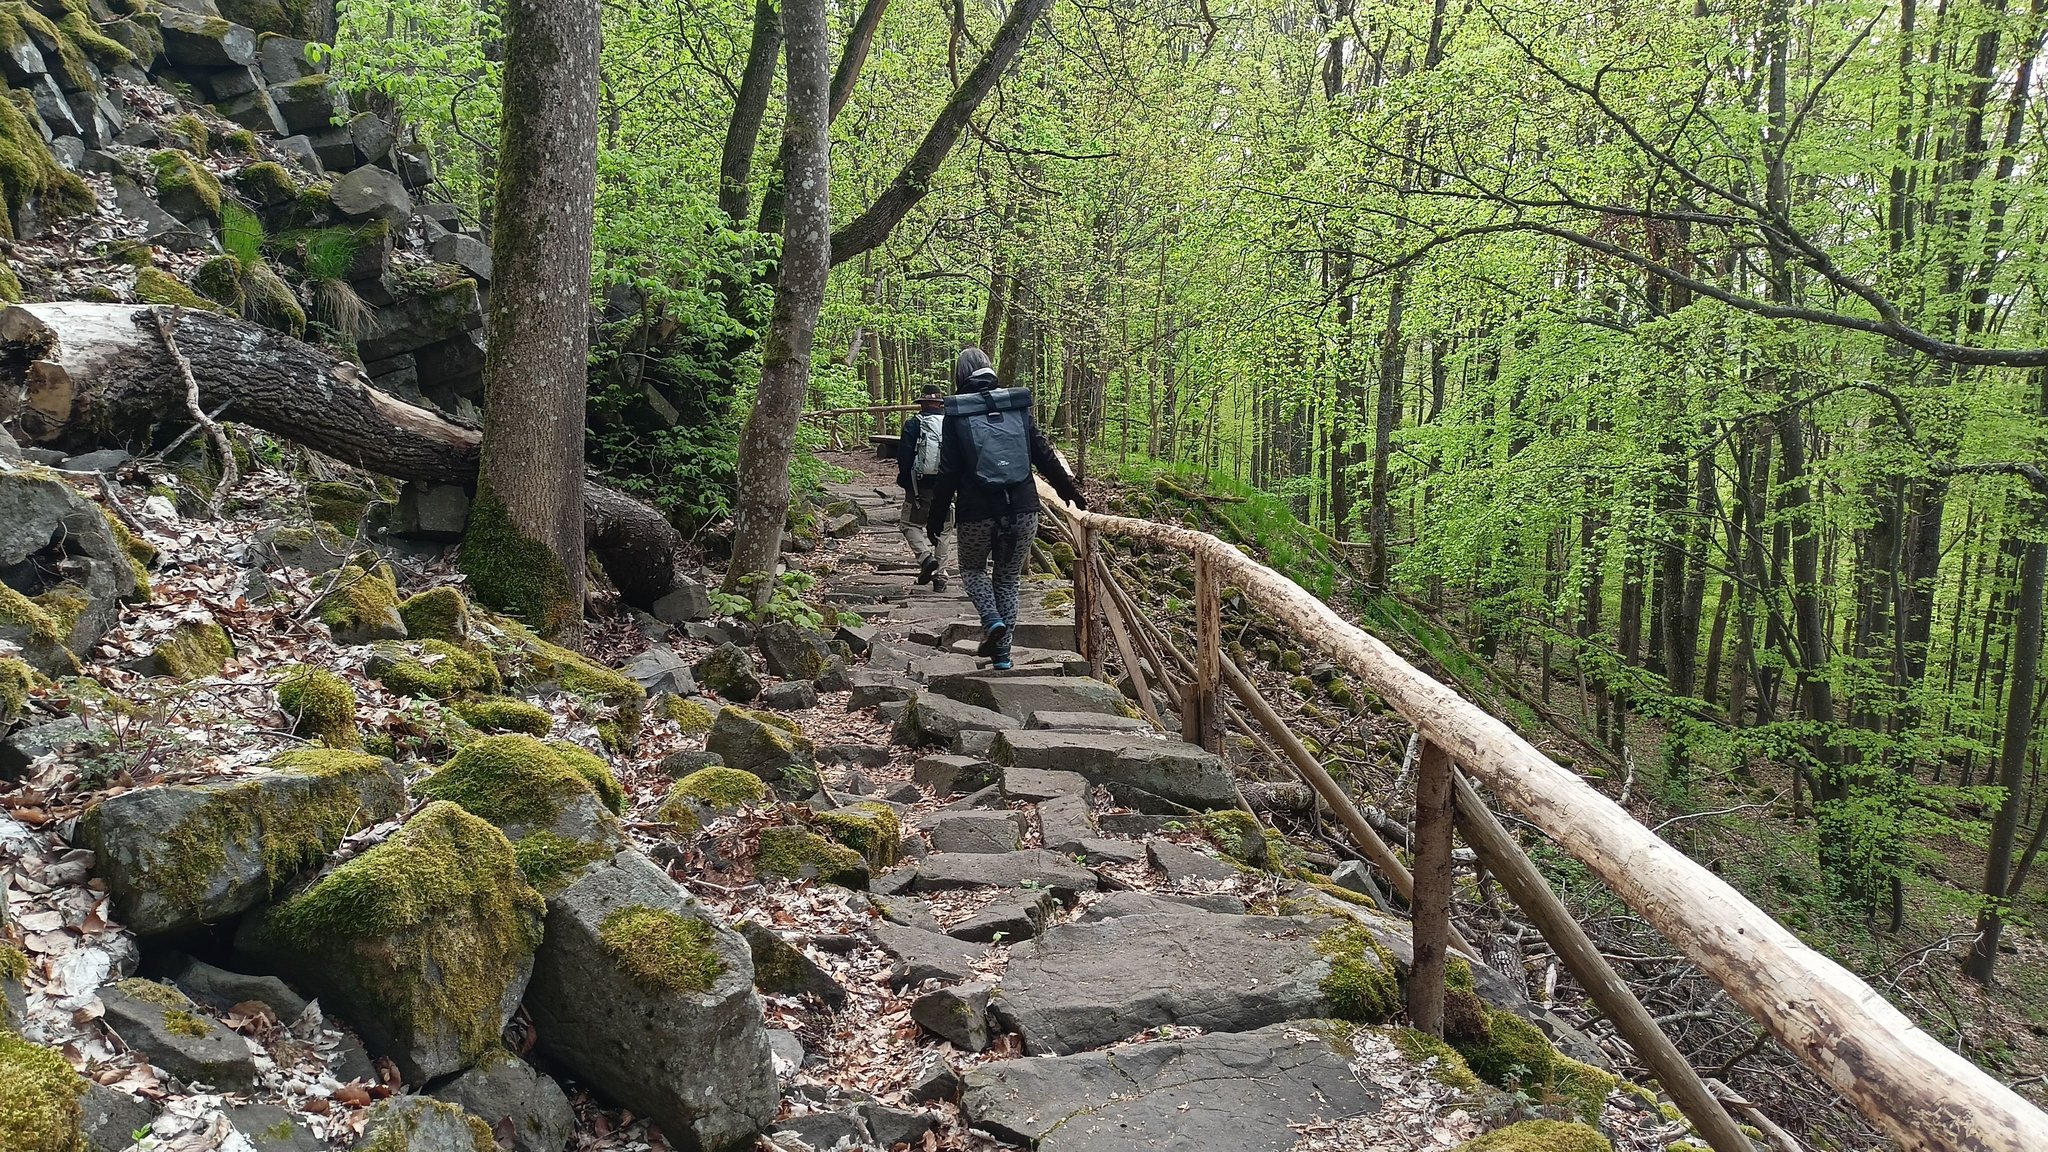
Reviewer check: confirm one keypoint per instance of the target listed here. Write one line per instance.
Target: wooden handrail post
(1531, 892)
(1202, 715)
(1431, 907)
(1087, 626)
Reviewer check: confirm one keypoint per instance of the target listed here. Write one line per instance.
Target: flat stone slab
(1012, 917)
(1086, 721)
(1146, 903)
(945, 774)
(1238, 1091)
(1018, 697)
(1081, 986)
(922, 955)
(1030, 868)
(1053, 634)
(1038, 784)
(1180, 863)
(1064, 822)
(986, 831)
(932, 719)
(1174, 771)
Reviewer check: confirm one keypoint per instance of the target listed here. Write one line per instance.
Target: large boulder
(195, 41)
(1249, 1091)
(640, 993)
(767, 745)
(369, 194)
(525, 787)
(178, 856)
(64, 570)
(1081, 986)
(506, 1093)
(424, 942)
(422, 1124)
(310, 104)
(162, 1024)
(728, 671)
(420, 320)
(1170, 769)
(791, 652)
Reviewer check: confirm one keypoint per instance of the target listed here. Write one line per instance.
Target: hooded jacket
(956, 485)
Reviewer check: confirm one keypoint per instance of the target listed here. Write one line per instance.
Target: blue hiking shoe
(997, 639)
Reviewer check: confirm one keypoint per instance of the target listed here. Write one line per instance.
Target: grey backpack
(998, 424)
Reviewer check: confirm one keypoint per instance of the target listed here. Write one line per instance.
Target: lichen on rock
(321, 706)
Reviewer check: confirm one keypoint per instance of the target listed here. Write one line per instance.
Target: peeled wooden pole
(1431, 908)
(1532, 894)
(1903, 1080)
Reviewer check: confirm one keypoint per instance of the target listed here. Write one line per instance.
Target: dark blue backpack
(998, 424)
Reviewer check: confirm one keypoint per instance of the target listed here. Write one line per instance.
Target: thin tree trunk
(768, 443)
(750, 106)
(523, 549)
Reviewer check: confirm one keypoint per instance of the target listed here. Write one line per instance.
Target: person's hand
(1079, 501)
(932, 532)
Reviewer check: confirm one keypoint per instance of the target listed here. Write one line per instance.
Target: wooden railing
(832, 420)
(1903, 1080)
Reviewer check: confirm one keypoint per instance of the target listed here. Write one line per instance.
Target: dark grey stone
(465, 252)
(903, 793)
(793, 696)
(697, 1062)
(24, 746)
(507, 1094)
(310, 104)
(299, 148)
(940, 1082)
(1356, 877)
(1085, 722)
(373, 139)
(930, 719)
(372, 194)
(132, 837)
(688, 601)
(858, 637)
(417, 1124)
(104, 460)
(1117, 904)
(191, 1045)
(787, 1048)
(681, 764)
(422, 320)
(945, 774)
(791, 652)
(109, 1118)
(431, 511)
(1038, 785)
(1180, 863)
(975, 742)
(752, 743)
(1019, 696)
(194, 41)
(62, 540)
(661, 669)
(782, 968)
(1064, 822)
(1032, 867)
(921, 955)
(269, 1128)
(976, 832)
(1009, 917)
(855, 755)
(1239, 1091)
(1182, 773)
(827, 1131)
(729, 671)
(871, 687)
(908, 911)
(893, 1126)
(283, 59)
(957, 1015)
(221, 989)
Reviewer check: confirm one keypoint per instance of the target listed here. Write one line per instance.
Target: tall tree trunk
(768, 443)
(523, 550)
(1386, 413)
(854, 56)
(750, 106)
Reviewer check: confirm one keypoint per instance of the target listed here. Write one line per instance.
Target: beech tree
(523, 549)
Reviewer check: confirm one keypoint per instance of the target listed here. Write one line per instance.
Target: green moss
(21, 611)
(151, 992)
(512, 571)
(1539, 1136)
(78, 26)
(1326, 885)
(504, 714)
(798, 853)
(67, 64)
(321, 705)
(513, 781)
(186, 1024)
(1515, 1054)
(269, 301)
(29, 174)
(480, 1137)
(437, 614)
(240, 141)
(1420, 1048)
(288, 837)
(38, 1099)
(447, 885)
(1362, 985)
(431, 669)
(594, 771)
(178, 172)
(10, 284)
(723, 787)
(661, 949)
(1239, 834)
(64, 604)
(1302, 686)
(194, 650)
(141, 554)
(193, 129)
(583, 678)
(614, 737)
(340, 506)
(17, 679)
(156, 286)
(689, 717)
(548, 860)
(869, 828)
(13, 963)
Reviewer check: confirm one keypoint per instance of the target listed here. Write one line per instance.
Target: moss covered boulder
(160, 1022)
(178, 856)
(524, 786)
(530, 662)
(504, 714)
(437, 614)
(363, 606)
(793, 653)
(869, 827)
(192, 650)
(706, 794)
(423, 1124)
(38, 1098)
(320, 706)
(639, 992)
(424, 942)
(1540, 1136)
(46, 527)
(1514, 1054)
(728, 671)
(431, 669)
(768, 746)
(790, 853)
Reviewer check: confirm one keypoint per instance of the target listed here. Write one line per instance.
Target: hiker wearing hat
(917, 470)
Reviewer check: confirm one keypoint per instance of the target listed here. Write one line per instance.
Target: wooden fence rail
(1907, 1083)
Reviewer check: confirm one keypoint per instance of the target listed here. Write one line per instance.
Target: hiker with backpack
(989, 445)
(917, 471)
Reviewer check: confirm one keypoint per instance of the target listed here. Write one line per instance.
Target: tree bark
(854, 55)
(97, 373)
(768, 443)
(914, 181)
(750, 106)
(523, 549)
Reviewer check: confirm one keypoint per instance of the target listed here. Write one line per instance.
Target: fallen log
(77, 376)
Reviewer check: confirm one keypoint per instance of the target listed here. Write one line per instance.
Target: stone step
(1174, 771)
(1018, 696)
(1057, 634)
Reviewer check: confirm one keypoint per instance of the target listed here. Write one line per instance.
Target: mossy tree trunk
(524, 547)
(768, 444)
